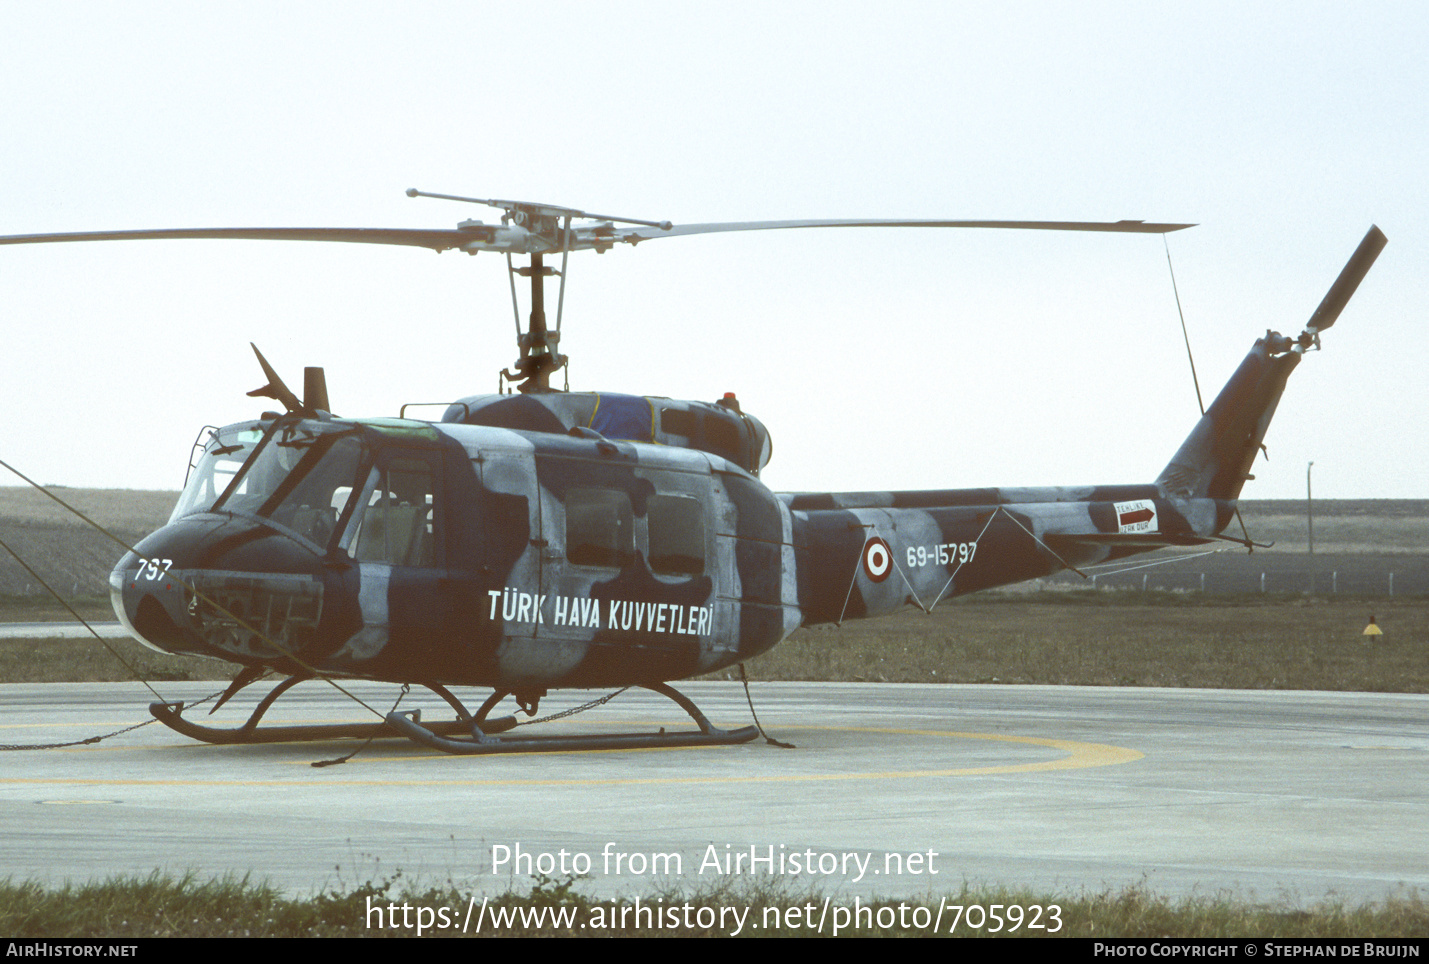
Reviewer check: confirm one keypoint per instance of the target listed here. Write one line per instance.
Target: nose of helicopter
(225, 586)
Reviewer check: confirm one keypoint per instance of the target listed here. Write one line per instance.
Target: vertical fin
(1215, 460)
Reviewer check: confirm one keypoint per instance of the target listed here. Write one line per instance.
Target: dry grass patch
(1124, 639)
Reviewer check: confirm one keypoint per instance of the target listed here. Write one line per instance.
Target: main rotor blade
(1132, 227)
(1350, 277)
(437, 240)
(473, 236)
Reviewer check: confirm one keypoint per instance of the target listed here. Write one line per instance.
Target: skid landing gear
(482, 737)
(466, 735)
(170, 714)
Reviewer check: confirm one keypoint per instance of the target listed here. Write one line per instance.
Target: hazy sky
(878, 359)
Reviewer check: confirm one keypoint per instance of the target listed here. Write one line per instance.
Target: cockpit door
(396, 536)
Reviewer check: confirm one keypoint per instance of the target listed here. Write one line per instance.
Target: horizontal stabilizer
(1141, 540)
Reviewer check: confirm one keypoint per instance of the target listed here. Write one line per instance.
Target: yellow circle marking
(1078, 756)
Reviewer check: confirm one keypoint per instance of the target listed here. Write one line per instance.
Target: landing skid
(170, 714)
(467, 735)
(482, 739)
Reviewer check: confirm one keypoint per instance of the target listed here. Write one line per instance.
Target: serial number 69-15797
(943, 554)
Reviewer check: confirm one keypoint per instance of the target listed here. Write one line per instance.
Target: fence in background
(1410, 579)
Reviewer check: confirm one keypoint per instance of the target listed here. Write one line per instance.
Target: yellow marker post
(1372, 630)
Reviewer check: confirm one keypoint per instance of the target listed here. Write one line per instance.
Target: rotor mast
(536, 229)
(539, 359)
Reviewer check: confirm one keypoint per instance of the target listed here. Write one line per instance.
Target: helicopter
(539, 538)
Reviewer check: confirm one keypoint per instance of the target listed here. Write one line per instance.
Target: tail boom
(872, 554)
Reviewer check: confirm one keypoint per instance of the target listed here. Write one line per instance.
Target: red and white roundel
(877, 559)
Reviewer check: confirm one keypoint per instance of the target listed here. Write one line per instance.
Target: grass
(1341, 525)
(123, 510)
(1124, 639)
(162, 906)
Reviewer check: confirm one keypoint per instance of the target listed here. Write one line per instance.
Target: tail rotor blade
(1344, 287)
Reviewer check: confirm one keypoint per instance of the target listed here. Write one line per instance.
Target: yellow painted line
(1079, 755)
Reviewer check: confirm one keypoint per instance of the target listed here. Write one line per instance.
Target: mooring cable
(317, 674)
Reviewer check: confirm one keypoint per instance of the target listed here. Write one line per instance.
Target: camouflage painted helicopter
(542, 539)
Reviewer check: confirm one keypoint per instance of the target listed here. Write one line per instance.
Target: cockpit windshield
(223, 455)
(301, 476)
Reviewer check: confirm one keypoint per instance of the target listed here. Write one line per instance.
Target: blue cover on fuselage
(623, 417)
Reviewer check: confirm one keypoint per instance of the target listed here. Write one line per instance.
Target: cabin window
(600, 528)
(397, 526)
(677, 535)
